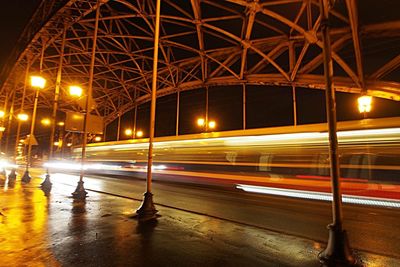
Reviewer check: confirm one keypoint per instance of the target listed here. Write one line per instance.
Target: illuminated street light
(75, 90)
(56, 143)
(2, 113)
(23, 117)
(2, 129)
(206, 124)
(61, 123)
(212, 125)
(139, 133)
(364, 103)
(128, 132)
(46, 121)
(97, 138)
(201, 122)
(69, 144)
(38, 82)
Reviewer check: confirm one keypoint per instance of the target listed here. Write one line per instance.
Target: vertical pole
(206, 127)
(46, 183)
(26, 178)
(294, 105)
(135, 116)
(134, 122)
(80, 192)
(178, 99)
(147, 210)
(57, 94)
(119, 126)
(338, 249)
(244, 105)
(10, 118)
(22, 107)
(5, 106)
(105, 132)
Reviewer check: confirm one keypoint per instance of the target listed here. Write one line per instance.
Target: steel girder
(204, 43)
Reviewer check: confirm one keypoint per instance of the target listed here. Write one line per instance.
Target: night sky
(266, 105)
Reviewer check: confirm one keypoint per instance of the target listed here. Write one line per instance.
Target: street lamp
(97, 138)
(22, 117)
(365, 104)
(2, 113)
(139, 133)
(75, 90)
(207, 125)
(38, 83)
(129, 132)
(45, 122)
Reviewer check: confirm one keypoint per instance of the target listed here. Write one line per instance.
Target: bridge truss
(202, 43)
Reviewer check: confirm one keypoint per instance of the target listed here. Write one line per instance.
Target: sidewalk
(53, 230)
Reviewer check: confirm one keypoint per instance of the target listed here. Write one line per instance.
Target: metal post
(22, 108)
(135, 116)
(10, 117)
(5, 106)
(119, 126)
(244, 106)
(206, 126)
(147, 210)
(178, 99)
(47, 183)
(338, 249)
(294, 105)
(80, 192)
(26, 178)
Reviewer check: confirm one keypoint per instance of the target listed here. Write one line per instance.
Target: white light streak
(78, 166)
(371, 201)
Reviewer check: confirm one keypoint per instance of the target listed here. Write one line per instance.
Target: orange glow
(38, 82)
(139, 133)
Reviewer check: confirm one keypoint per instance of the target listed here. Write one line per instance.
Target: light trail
(371, 201)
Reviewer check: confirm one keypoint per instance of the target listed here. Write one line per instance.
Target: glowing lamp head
(56, 143)
(139, 133)
(364, 103)
(22, 117)
(61, 123)
(212, 124)
(201, 122)
(2, 113)
(97, 138)
(46, 122)
(75, 90)
(128, 132)
(2, 128)
(69, 144)
(38, 82)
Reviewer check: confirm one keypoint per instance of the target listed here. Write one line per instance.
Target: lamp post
(337, 252)
(147, 210)
(38, 83)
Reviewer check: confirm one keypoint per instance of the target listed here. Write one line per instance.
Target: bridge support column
(338, 252)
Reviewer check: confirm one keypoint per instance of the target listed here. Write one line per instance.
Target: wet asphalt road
(370, 229)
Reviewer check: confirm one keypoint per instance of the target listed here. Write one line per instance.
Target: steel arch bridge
(202, 43)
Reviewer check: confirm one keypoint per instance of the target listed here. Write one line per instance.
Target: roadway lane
(371, 229)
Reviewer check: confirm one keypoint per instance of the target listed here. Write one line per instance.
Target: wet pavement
(38, 229)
